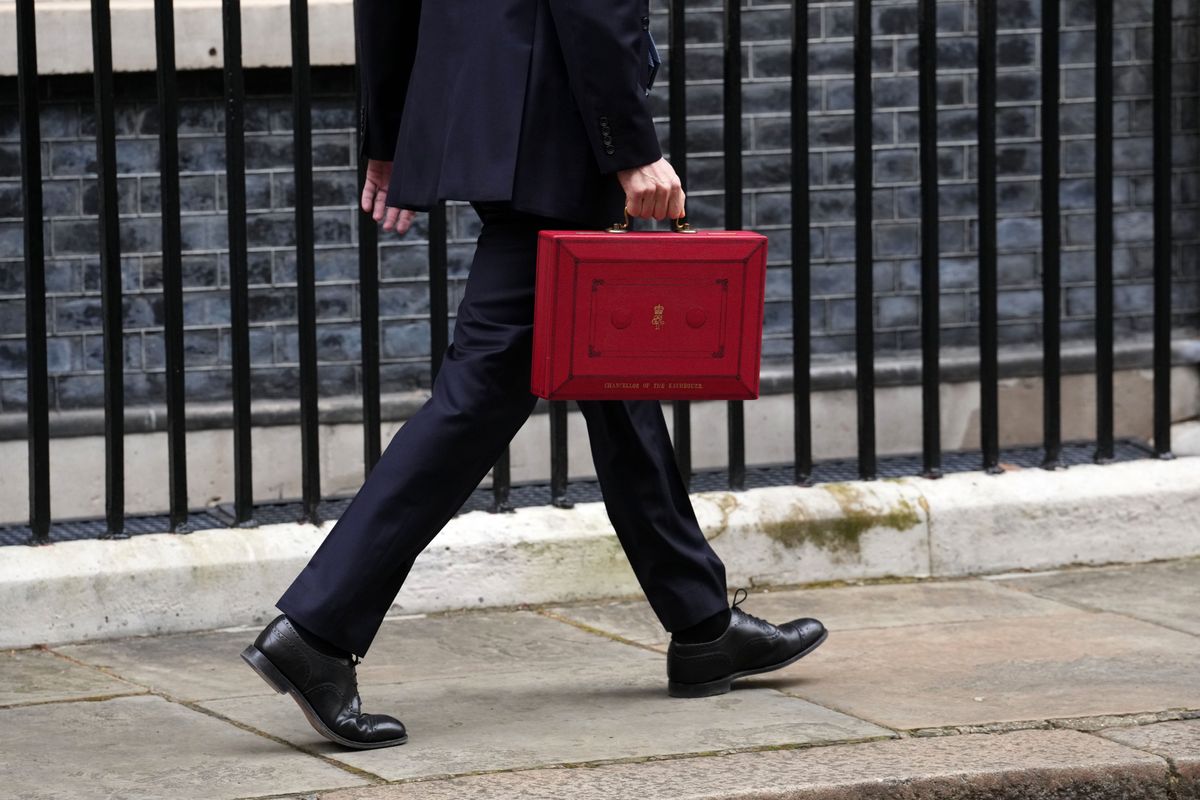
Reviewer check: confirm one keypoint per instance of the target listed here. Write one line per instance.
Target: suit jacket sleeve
(606, 49)
(385, 33)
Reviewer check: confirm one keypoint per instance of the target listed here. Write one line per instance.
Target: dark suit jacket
(535, 101)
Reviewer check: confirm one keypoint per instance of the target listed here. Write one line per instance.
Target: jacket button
(609, 150)
(645, 23)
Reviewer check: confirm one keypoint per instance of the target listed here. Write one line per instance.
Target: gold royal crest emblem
(657, 319)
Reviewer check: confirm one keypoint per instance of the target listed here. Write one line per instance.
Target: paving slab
(840, 608)
(38, 676)
(1178, 742)
(1167, 593)
(147, 747)
(1042, 764)
(207, 665)
(558, 714)
(1073, 664)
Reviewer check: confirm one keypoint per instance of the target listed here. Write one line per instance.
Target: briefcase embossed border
(648, 315)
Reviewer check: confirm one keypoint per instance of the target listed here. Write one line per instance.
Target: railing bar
(368, 301)
(864, 290)
(801, 251)
(1051, 241)
(439, 309)
(988, 346)
(172, 262)
(1162, 40)
(930, 248)
(502, 483)
(239, 280)
(732, 122)
(1104, 231)
(558, 454)
(110, 270)
(677, 106)
(306, 306)
(37, 408)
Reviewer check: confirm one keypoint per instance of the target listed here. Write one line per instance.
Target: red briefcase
(624, 314)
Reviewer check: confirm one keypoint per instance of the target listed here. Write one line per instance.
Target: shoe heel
(710, 689)
(259, 662)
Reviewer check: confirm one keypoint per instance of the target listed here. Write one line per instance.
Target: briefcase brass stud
(677, 225)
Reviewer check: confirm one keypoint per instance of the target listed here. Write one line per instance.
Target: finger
(405, 222)
(676, 204)
(639, 206)
(380, 203)
(368, 194)
(389, 218)
(661, 197)
(631, 205)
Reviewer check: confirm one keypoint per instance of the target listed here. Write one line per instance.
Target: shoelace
(741, 594)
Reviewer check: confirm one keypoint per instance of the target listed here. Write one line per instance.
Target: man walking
(534, 111)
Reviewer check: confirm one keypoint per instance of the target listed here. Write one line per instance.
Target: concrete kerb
(959, 525)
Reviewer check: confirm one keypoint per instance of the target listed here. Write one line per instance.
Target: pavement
(1080, 683)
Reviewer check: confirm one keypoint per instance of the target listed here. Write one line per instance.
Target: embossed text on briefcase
(659, 315)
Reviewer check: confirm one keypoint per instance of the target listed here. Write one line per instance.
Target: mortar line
(1079, 605)
(1173, 772)
(583, 626)
(721, 753)
(195, 706)
(94, 698)
(1058, 723)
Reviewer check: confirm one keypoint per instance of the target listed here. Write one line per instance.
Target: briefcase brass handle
(677, 225)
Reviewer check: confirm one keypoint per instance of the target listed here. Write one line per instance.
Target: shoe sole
(722, 685)
(260, 663)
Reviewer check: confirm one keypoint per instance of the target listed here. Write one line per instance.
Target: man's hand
(652, 191)
(374, 199)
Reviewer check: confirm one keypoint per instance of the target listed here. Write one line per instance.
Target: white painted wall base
(959, 525)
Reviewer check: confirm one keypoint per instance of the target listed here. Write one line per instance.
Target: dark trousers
(480, 399)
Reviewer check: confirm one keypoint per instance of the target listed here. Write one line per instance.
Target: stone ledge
(956, 366)
(908, 528)
(1029, 764)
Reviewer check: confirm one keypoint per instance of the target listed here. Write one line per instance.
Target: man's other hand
(374, 199)
(652, 191)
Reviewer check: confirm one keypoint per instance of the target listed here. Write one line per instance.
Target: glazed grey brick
(70, 314)
(897, 311)
(405, 339)
(14, 394)
(79, 391)
(196, 193)
(10, 161)
(408, 299)
(339, 343)
(896, 166)
(767, 203)
(10, 199)
(202, 347)
(1019, 303)
(895, 240)
(206, 308)
(144, 311)
(1019, 233)
(216, 384)
(336, 302)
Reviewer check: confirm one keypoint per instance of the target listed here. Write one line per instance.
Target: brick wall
(70, 200)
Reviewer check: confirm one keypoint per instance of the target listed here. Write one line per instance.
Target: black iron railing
(867, 464)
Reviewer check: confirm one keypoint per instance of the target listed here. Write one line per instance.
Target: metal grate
(586, 491)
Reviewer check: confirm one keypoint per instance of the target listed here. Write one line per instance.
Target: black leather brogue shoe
(749, 646)
(325, 687)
